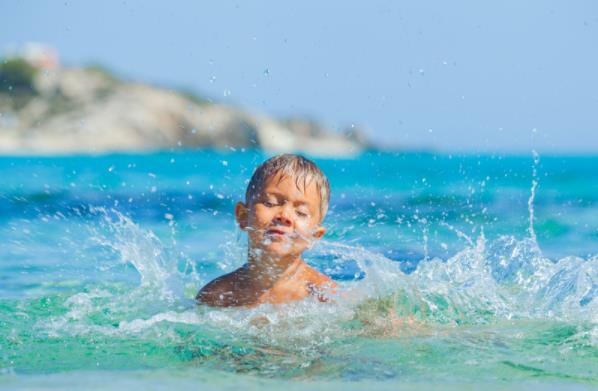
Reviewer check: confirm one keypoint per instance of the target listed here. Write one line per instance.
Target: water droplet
(226, 92)
(224, 163)
(194, 131)
(266, 72)
(212, 79)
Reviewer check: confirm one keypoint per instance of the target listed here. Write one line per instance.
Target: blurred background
(131, 75)
(459, 138)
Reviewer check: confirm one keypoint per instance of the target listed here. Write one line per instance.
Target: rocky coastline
(89, 110)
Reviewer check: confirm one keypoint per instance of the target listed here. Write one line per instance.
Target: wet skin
(281, 221)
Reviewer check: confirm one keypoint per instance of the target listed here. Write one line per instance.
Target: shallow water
(443, 280)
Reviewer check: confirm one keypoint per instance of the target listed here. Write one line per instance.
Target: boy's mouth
(276, 232)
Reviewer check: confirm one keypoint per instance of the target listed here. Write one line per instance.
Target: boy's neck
(266, 270)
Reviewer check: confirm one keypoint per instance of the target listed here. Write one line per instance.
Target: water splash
(530, 201)
(128, 244)
(499, 286)
(505, 278)
(489, 281)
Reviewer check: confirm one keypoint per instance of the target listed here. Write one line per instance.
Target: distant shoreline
(90, 110)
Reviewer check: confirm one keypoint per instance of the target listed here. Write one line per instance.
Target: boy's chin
(279, 249)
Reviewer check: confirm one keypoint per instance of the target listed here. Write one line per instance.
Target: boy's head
(285, 203)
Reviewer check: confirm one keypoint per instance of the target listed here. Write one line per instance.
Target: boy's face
(283, 218)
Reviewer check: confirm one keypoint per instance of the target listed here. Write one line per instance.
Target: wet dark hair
(303, 170)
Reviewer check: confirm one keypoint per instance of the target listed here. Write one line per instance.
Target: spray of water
(530, 201)
(487, 281)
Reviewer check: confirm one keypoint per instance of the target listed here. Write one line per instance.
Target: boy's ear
(241, 215)
(319, 232)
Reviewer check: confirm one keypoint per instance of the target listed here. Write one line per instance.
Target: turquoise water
(453, 271)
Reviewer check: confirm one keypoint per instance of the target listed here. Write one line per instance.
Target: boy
(285, 203)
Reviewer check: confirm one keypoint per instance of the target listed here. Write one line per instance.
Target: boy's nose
(283, 217)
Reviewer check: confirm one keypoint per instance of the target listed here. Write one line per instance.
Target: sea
(455, 271)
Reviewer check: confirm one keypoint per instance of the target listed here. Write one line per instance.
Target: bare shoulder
(219, 292)
(319, 281)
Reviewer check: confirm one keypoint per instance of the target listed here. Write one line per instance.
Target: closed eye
(302, 214)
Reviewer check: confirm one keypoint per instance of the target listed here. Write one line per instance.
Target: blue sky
(452, 76)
